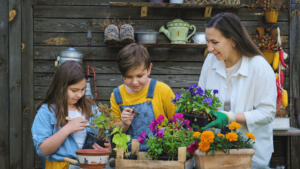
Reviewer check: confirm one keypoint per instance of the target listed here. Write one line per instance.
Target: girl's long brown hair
(69, 73)
(231, 28)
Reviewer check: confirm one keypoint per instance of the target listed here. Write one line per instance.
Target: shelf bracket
(144, 10)
(208, 11)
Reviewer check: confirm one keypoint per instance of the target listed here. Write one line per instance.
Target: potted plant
(195, 104)
(167, 137)
(222, 151)
(101, 124)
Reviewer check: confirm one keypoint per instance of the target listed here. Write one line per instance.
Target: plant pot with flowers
(167, 146)
(195, 104)
(87, 157)
(227, 151)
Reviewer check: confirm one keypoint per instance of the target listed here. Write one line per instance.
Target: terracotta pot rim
(232, 152)
(92, 152)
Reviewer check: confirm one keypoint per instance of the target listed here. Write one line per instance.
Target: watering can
(177, 31)
(69, 54)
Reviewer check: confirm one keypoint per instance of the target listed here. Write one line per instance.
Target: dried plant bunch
(269, 4)
(103, 24)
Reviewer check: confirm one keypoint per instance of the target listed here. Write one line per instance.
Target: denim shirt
(44, 126)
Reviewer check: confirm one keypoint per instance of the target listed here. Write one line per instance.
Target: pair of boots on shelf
(112, 35)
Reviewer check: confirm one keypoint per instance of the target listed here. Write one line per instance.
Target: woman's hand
(221, 121)
(127, 116)
(76, 124)
(107, 147)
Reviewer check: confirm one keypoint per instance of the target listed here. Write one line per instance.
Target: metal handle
(191, 27)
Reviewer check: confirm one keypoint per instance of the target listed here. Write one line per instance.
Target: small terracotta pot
(269, 54)
(271, 15)
(241, 158)
(90, 158)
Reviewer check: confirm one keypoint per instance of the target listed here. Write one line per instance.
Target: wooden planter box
(237, 159)
(147, 163)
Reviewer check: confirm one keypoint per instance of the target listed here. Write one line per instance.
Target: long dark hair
(70, 72)
(231, 28)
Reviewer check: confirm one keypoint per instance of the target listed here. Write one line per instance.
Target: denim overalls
(141, 123)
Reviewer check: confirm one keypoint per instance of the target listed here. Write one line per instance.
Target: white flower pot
(176, 1)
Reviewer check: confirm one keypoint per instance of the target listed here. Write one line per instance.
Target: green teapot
(177, 31)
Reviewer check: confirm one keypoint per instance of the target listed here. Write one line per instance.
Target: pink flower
(142, 137)
(160, 119)
(193, 147)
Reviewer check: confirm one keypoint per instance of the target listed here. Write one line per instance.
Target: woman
(245, 81)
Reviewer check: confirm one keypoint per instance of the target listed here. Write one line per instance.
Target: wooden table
(288, 133)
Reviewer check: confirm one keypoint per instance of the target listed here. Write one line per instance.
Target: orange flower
(232, 136)
(250, 135)
(220, 135)
(234, 125)
(207, 136)
(204, 146)
(196, 134)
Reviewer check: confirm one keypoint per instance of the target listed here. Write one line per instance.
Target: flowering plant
(196, 101)
(168, 136)
(104, 122)
(209, 141)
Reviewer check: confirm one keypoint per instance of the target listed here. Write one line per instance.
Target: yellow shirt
(161, 100)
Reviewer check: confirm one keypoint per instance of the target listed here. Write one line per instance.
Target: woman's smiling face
(217, 44)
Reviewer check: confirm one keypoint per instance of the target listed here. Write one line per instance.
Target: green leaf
(116, 129)
(213, 153)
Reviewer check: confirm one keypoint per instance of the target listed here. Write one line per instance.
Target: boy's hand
(127, 116)
(76, 124)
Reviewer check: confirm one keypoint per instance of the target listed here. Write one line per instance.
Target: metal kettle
(69, 54)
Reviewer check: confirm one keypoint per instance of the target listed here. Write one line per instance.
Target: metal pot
(146, 36)
(69, 54)
(199, 38)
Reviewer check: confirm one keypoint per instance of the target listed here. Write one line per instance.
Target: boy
(149, 97)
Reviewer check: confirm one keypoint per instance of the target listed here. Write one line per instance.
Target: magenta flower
(153, 126)
(193, 147)
(178, 115)
(142, 137)
(161, 133)
(160, 119)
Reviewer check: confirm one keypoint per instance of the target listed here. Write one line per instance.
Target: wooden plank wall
(58, 25)
(294, 78)
(4, 94)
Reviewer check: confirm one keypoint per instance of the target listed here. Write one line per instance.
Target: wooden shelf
(169, 5)
(165, 45)
(291, 132)
(145, 5)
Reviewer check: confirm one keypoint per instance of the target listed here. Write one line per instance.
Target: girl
(54, 137)
(245, 81)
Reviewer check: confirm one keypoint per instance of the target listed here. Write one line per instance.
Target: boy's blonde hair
(131, 57)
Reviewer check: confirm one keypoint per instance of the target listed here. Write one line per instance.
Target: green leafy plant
(120, 138)
(168, 136)
(197, 101)
(209, 141)
(103, 122)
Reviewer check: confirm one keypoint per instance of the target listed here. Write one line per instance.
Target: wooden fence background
(46, 27)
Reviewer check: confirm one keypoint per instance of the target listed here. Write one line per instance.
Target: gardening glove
(223, 118)
(177, 110)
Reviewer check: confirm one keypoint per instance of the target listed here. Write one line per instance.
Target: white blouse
(253, 93)
(79, 136)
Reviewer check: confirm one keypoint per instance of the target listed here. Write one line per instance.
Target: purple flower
(199, 91)
(178, 115)
(160, 119)
(161, 132)
(177, 97)
(209, 100)
(216, 91)
(193, 147)
(185, 124)
(192, 86)
(142, 137)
